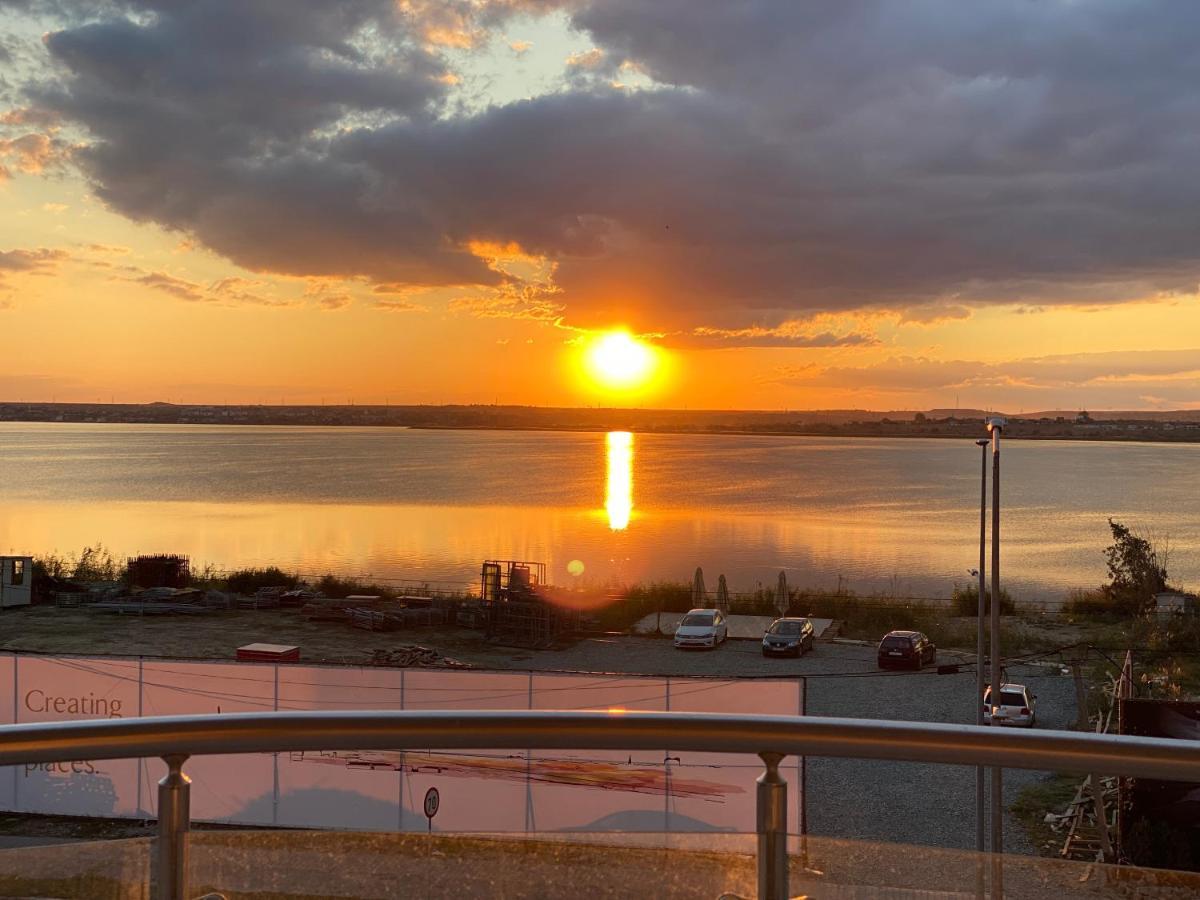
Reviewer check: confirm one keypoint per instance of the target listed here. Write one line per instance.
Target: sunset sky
(862, 203)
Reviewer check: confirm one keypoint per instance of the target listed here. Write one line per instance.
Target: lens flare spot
(575, 567)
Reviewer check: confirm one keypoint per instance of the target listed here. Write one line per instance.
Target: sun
(618, 361)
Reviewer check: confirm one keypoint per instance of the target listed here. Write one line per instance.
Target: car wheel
(765, 653)
(811, 640)
(920, 664)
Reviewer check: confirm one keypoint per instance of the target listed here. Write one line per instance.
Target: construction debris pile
(411, 656)
(1090, 818)
(373, 613)
(516, 605)
(156, 601)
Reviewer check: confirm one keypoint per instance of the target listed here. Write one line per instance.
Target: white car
(702, 628)
(1017, 707)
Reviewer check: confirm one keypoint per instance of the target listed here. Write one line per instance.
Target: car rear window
(697, 620)
(1007, 698)
(896, 643)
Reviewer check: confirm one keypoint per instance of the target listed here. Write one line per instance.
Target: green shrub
(965, 601)
(1136, 570)
(247, 581)
(90, 564)
(669, 596)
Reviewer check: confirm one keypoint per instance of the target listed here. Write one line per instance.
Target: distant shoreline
(840, 432)
(1154, 428)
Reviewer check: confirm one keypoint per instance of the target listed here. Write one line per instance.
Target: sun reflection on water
(618, 500)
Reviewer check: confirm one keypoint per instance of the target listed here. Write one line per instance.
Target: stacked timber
(374, 620)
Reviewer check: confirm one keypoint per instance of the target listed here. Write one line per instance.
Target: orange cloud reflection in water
(618, 500)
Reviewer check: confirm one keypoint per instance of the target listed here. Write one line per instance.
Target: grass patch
(1050, 793)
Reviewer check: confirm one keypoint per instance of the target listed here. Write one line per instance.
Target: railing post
(772, 830)
(174, 822)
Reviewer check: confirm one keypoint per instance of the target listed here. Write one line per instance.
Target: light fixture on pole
(995, 425)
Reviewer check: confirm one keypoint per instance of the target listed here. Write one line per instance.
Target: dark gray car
(788, 637)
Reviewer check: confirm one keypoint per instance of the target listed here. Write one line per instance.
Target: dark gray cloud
(795, 157)
(775, 338)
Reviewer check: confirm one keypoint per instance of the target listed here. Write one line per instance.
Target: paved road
(862, 799)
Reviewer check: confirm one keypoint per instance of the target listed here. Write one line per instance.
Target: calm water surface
(899, 515)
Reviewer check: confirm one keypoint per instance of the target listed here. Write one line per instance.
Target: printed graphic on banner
(63, 690)
(314, 795)
(8, 713)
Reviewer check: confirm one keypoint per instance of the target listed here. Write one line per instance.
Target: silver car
(702, 628)
(1017, 707)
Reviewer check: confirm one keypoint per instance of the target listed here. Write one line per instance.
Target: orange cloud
(33, 153)
(30, 115)
(334, 302)
(397, 306)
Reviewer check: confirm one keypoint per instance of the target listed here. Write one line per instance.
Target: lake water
(874, 515)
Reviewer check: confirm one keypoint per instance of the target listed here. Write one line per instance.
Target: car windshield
(786, 628)
(896, 643)
(692, 620)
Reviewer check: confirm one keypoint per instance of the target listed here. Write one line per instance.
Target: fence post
(174, 822)
(772, 830)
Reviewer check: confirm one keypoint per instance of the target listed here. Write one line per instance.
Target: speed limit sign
(432, 801)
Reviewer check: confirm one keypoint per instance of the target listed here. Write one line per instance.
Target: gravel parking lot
(861, 799)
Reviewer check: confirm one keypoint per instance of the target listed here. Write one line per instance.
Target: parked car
(788, 637)
(702, 628)
(1017, 707)
(906, 648)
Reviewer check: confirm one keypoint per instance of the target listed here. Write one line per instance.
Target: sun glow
(618, 361)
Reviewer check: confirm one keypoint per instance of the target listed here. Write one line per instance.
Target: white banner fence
(480, 791)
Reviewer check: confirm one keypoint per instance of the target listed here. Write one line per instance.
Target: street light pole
(980, 802)
(995, 426)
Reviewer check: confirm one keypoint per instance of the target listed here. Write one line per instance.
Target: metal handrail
(175, 738)
(1160, 758)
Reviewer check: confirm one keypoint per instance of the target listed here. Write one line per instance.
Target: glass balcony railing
(303, 864)
(772, 863)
